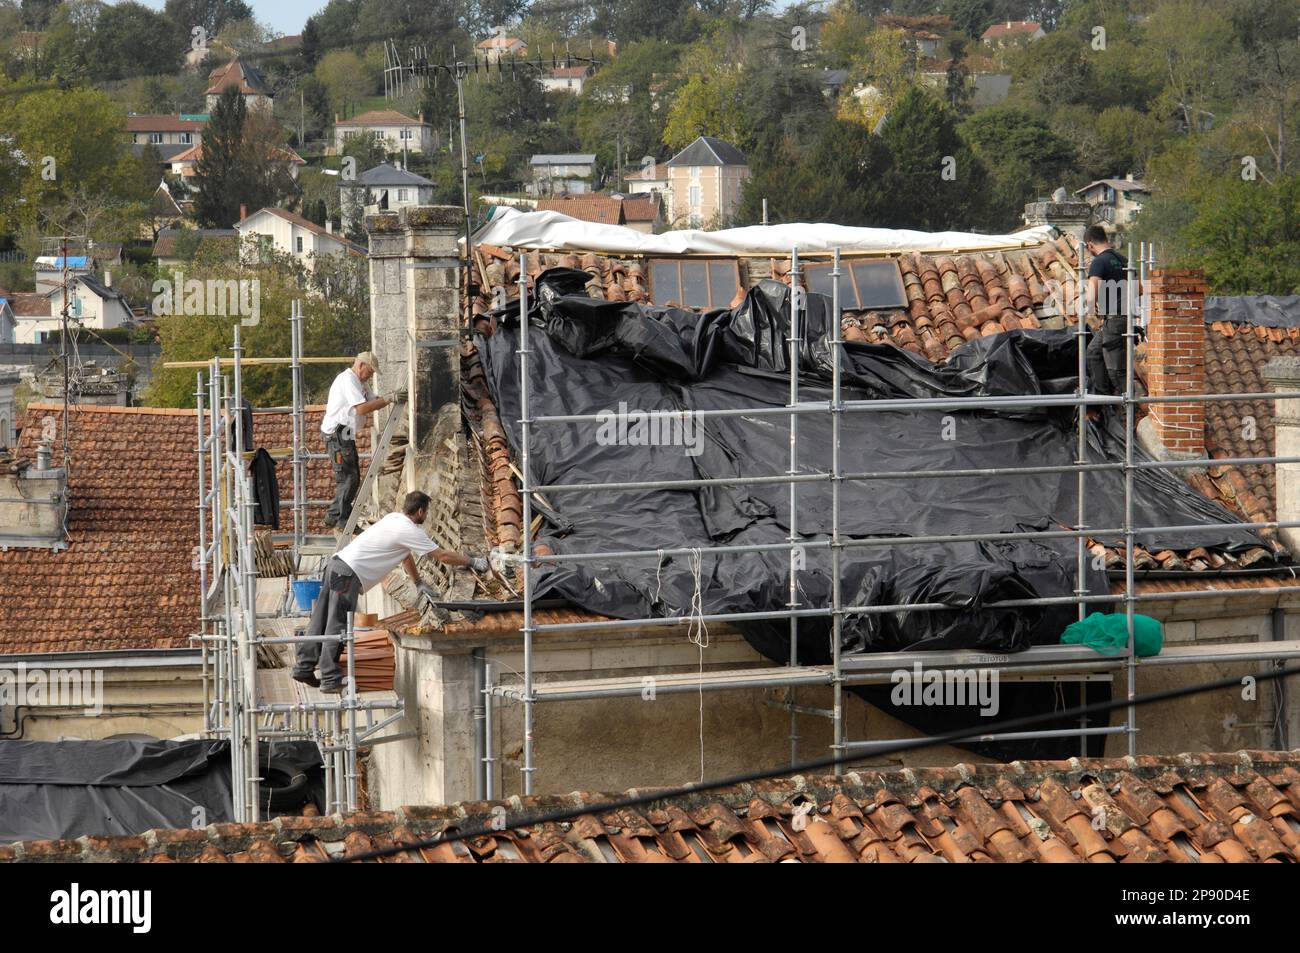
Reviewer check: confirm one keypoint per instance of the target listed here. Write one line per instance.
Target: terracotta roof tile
(126, 579)
(1206, 808)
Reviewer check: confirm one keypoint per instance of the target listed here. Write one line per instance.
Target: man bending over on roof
(358, 567)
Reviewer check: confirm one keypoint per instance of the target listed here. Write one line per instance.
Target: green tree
(1024, 157)
(709, 102)
(220, 171)
(131, 39)
(345, 78)
(936, 179)
(1246, 235)
(58, 167)
(337, 324)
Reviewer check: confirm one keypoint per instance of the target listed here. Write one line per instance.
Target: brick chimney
(1175, 364)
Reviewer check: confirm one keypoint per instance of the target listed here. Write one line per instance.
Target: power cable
(640, 800)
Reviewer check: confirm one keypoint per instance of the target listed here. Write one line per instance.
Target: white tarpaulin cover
(553, 231)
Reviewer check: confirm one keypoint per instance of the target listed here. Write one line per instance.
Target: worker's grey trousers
(339, 591)
(1107, 362)
(347, 477)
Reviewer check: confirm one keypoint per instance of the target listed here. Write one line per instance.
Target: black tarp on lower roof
(1266, 311)
(590, 357)
(64, 789)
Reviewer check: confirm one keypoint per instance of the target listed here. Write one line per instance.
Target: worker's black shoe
(309, 680)
(335, 689)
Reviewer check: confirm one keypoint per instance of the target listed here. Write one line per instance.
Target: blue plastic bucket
(306, 591)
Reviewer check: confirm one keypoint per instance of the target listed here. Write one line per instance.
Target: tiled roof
(569, 72)
(380, 117)
(249, 79)
(951, 299)
(138, 122)
(1235, 355)
(602, 209)
(641, 208)
(165, 246)
(1010, 28)
(657, 173)
(29, 304)
(1194, 808)
(126, 579)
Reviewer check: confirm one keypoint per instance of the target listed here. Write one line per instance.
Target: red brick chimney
(243, 212)
(1176, 364)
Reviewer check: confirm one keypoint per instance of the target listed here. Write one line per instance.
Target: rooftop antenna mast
(420, 67)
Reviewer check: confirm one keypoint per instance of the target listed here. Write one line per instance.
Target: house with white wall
(395, 131)
(566, 79)
(9, 379)
(91, 304)
(289, 233)
(499, 45)
(1115, 202)
(557, 174)
(385, 188)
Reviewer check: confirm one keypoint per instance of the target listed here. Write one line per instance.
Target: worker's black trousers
(340, 588)
(347, 477)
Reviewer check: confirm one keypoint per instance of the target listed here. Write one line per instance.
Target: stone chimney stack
(414, 319)
(1175, 365)
(1068, 217)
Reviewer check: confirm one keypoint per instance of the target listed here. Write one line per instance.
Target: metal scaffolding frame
(231, 629)
(1047, 662)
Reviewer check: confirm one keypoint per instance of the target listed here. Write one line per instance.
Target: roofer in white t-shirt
(362, 564)
(350, 400)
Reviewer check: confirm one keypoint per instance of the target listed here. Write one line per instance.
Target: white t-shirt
(340, 410)
(381, 548)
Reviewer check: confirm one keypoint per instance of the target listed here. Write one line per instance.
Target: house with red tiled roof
(99, 572)
(588, 207)
(1012, 33)
(289, 233)
(395, 131)
(185, 164)
(566, 79)
(500, 45)
(248, 79)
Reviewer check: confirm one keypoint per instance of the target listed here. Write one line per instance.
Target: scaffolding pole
(526, 478)
(796, 306)
(1037, 663)
(227, 569)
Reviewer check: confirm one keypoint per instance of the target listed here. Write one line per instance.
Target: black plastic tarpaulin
(618, 359)
(1267, 311)
(64, 789)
